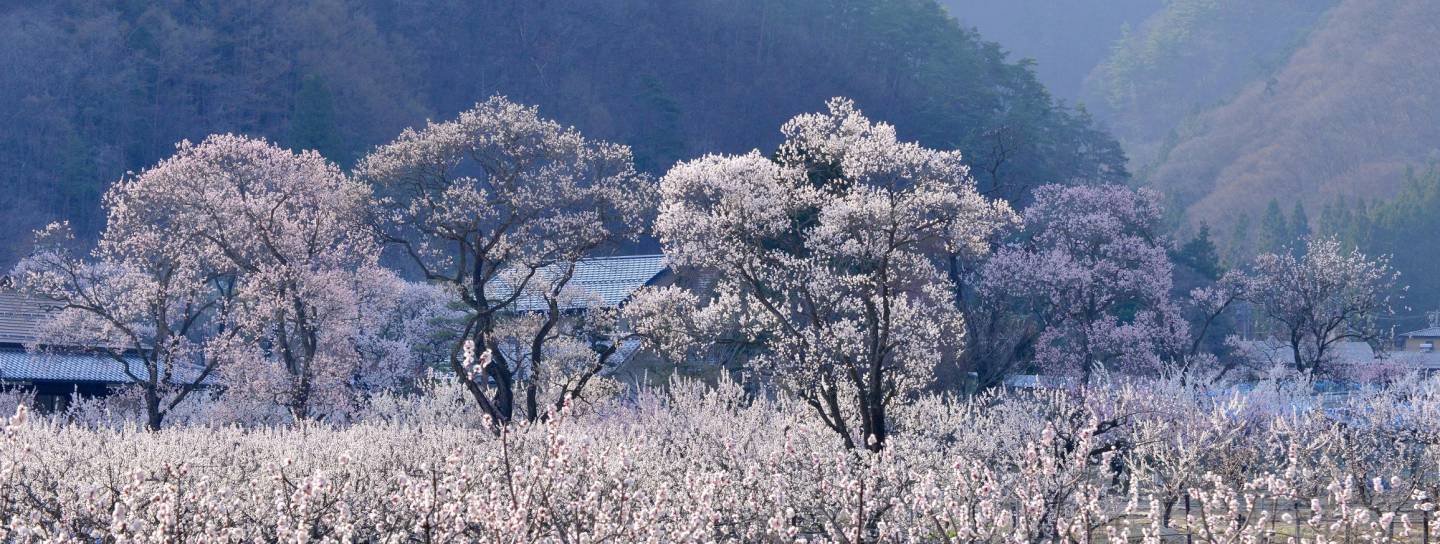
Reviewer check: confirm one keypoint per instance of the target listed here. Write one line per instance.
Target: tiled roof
(16, 364)
(1431, 331)
(20, 317)
(610, 280)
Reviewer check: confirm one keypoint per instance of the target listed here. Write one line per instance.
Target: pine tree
(1275, 231)
(1241, 245)
(1200, 255)
(1299, 223)
(312, 125)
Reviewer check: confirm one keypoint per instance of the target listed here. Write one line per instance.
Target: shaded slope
(1347, 113)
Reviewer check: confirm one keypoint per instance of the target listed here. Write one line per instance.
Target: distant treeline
(94, 89)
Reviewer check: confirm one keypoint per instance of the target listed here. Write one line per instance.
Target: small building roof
(19, 365)
(21, 317)
(1425, 332)
(609, 281)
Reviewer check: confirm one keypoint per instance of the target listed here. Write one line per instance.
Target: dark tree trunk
(153, 416)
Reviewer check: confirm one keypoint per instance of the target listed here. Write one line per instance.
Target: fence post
(1295, 506)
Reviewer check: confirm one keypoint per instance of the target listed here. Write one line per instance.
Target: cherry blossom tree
(1207, 305)
(148, 301)
(1093, 273)
(408, 329)
(831, 254)
(1322, 298)
(482, 203)
(292, 230)
(559, 348)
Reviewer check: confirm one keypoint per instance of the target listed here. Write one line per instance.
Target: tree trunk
(499, 370)
(153, 416)
(532, 403)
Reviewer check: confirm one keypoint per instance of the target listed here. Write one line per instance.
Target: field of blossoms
(271, 357)
(1151, 462)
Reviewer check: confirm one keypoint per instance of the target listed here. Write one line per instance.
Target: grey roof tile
(21, 316)
(609, 279)
(17, 364)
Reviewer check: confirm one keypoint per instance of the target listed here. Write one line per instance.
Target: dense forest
(95, 89)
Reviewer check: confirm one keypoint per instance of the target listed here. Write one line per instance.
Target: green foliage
(1241, 245)
(1275, 231)
(1278, 233)
(312, 125)
(1200, 255)
(1299, 222)
(664, 144)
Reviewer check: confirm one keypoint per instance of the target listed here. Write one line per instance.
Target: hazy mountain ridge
(1188, 58)
(1225, 105)
(1067, 38)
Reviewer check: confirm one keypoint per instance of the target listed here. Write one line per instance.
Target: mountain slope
(1348, 112)
(1189, 57)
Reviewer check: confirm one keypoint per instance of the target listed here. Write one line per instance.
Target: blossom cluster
(1148, 461)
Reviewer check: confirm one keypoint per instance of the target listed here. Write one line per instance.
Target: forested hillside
(1188, 58)
(1347, 114)
(93, 89)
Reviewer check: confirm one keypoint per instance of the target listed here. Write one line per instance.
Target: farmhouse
(54, 374)
(598, 283)
(1424, 340)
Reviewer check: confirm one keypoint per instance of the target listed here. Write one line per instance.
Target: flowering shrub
(1143, 461)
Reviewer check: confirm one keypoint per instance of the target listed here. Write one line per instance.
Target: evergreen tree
(1200, 255)
(1241, 246)
(1275, 231)
(1335, 219)
(312, 125)
(664, 143)
(1299, 223)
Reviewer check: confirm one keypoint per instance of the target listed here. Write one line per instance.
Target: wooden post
(1296, 504)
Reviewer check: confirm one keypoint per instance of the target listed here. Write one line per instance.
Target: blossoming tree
(146, 300)
(831, 254)
(291, 232)
(1094, 274)
(482, 203)
(1321, 298)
